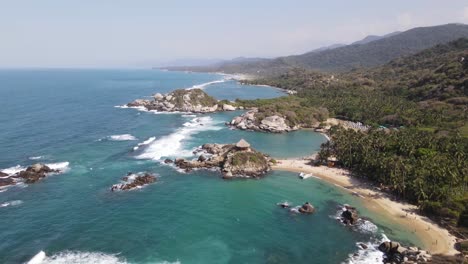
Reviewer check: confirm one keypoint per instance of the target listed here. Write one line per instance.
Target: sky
(144, 33)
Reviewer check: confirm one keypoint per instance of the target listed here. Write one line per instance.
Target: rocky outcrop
(228, 107)
(31, 174)
(395, 253)
(6, 181)
(34, 173)
(307, 208)
(182, 100)
(251, 120)
(132, 181)
(349, 216)
(234, 160)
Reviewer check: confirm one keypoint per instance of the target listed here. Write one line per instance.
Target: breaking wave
(35, 158)
(80, 257)
(172, 144)
(204, 85)
(123, 137)
(11, 203)
(369, 254)
(144, 143)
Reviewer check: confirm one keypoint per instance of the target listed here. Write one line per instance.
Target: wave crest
(123, 137)
(172, 144)
(82, 257)
(204, 85)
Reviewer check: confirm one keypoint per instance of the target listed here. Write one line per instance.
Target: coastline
(436, 239)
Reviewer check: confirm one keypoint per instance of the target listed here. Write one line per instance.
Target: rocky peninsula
(252, 120)
(234, 160)
(182, 100)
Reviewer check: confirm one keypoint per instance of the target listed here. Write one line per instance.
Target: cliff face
(194, 101)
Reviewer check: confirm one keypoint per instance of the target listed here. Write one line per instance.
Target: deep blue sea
(70, 119)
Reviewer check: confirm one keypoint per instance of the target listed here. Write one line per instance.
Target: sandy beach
(437, 240)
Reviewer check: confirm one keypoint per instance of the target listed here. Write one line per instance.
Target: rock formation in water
(31, 174)
(182, 100)
(234, 160)
(251, 121)
(395, 253)
(349, 216)
(132, 181)
(307, 208)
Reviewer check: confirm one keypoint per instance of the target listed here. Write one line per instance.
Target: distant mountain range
(368, 52)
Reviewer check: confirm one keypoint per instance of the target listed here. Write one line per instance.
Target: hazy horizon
(147, 33)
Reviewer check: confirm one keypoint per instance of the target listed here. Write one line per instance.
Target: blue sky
(128, 33)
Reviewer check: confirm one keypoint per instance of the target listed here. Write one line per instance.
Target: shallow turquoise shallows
(60, 116)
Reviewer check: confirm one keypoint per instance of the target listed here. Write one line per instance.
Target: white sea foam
(144, 143)
(143, 109)
(204, 85)
(362, 225)
(123, 137)
(61, 166)
(13, 170)
(172, 144)
(370, 255)
(35, 158)
(11, 203)
(77, 257)
(80, 257)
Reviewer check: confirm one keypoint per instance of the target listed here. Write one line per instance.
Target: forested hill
(380, 51)
(369, 54)
(428, 89)
(422, 99)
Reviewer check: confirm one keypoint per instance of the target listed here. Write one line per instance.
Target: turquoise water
(57, 116)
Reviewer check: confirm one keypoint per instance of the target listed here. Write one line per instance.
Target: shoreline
(435, 239)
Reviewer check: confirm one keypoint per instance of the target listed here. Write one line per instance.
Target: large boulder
(158, 96)
(307, 208)
(227, 107)
(274, 124)
(349, 216)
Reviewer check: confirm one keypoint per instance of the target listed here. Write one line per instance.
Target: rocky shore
(250, 121)
(182, 100)
(133, 181)
(396, 253)
(234, 160)
(31, 174)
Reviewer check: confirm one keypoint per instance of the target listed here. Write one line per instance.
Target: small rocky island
(234, 160)
(31, 174)
(133, 181)
(182, 100)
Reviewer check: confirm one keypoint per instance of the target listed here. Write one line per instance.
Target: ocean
(71, 119)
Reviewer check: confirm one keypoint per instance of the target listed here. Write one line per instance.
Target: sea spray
(144, 143)
(172, 144)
